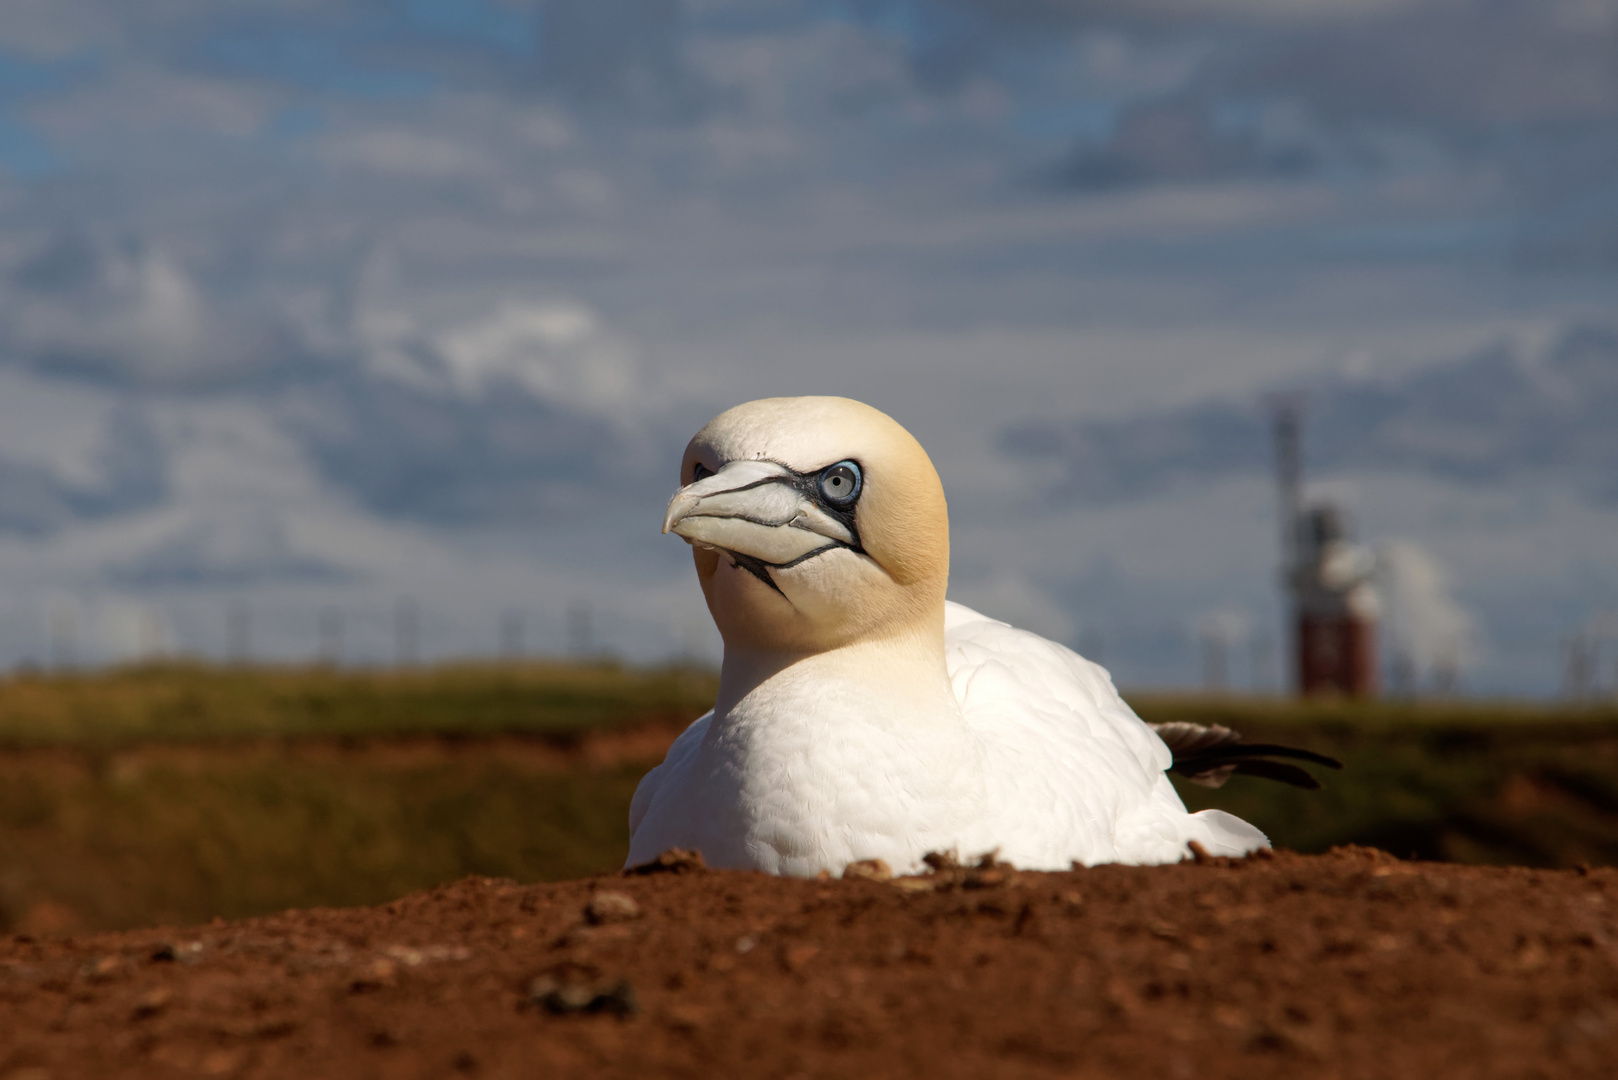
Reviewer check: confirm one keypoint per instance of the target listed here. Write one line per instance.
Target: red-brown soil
(1350, 964)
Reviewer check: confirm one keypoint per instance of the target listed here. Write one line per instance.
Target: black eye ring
(699, 471)
(840, 484)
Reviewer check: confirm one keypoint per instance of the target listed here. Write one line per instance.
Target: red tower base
(1336, 656)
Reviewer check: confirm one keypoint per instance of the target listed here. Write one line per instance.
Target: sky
(359, 313)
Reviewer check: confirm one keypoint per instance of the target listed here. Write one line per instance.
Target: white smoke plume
(1424, 622)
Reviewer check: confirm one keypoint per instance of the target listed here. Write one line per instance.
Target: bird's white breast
(814, 770)
(1027, 749)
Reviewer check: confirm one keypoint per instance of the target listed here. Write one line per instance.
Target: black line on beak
(808, 485)
(755, 566)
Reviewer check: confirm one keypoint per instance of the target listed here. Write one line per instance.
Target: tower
(1327, 577)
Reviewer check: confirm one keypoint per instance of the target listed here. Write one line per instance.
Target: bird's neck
(896, 678)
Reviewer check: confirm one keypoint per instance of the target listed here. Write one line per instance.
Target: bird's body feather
(839, 758)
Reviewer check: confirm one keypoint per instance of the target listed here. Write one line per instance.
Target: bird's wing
(1209, 754)
(1083, 774)
(1013, 675)
(680, 751)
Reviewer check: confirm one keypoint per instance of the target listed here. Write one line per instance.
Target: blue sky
(317, 307)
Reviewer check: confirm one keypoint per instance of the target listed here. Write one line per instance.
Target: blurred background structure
(306, 309)
(1328, 580)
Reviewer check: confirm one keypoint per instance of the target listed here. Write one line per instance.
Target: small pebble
(188, 951)
(101, 968)
(869, 869)
(374, 976)
(672, 861)
(576, 995)
(152, 1002)
(610, 907)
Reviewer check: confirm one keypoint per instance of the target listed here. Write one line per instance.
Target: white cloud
(558, 351)
(58, 427)
(132, 312)
(431, 310)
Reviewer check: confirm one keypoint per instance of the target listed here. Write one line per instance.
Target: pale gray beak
(758, 509)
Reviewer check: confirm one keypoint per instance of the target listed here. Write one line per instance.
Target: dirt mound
(1350, 964)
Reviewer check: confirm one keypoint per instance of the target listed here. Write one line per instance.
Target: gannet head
(816, 522)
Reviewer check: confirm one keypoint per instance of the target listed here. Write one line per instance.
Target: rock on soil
(1346, 965)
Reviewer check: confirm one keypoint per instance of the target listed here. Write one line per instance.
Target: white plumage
(1044, 762)
(862, 717)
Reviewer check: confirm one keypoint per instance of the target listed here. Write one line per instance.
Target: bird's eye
(840, 483)
(698, 471)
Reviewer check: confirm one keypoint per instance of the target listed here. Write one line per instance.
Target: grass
(1275, 714)
(175, 793)
(173, 703)
(144, 839)
(1502, 783)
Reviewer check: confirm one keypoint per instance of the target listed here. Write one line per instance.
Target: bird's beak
(758, 509)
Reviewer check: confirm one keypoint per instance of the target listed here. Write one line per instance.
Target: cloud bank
(1491, 418)
(317, 306)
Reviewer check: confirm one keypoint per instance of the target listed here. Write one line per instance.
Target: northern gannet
(860, 714)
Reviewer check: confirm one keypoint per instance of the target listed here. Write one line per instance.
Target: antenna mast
(1287, 409)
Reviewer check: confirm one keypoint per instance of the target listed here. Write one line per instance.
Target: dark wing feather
(1278, 770)
(1271, 750)
(1186, 739)
(1209, 754)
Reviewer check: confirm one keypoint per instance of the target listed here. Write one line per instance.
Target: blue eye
(840, 483)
